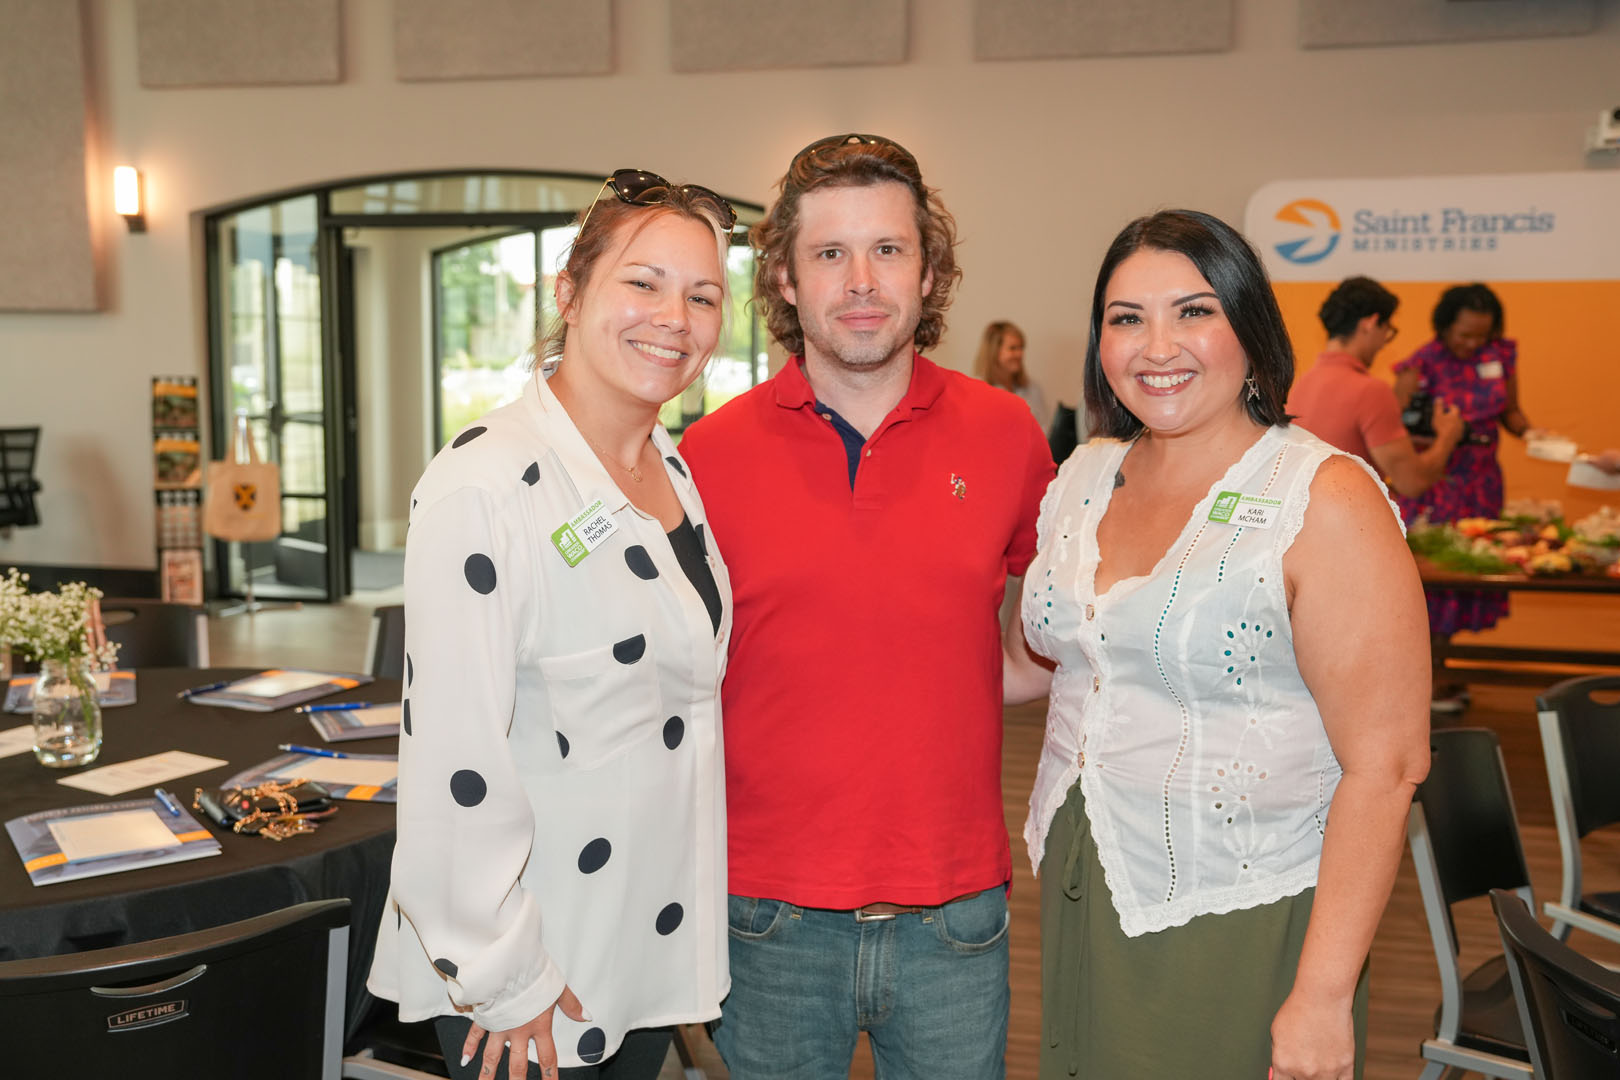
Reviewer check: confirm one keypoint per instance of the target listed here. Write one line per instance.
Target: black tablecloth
(347, 856)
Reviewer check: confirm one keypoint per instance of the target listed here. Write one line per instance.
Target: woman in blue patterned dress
(1473, 367)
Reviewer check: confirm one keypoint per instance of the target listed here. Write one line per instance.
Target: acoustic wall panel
(500, 39)
(733, 35)
(1045, 29)
(45, 239)
(238, 42)
(1334, 23)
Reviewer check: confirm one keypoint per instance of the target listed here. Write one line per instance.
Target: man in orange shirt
(1340, 403)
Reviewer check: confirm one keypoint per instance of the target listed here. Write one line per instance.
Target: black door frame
(338, 363)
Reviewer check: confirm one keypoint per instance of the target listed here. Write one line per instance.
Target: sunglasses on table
(640, 188)
(833, 142)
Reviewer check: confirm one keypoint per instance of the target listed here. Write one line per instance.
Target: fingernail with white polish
(464, 1059)
(586, 1013)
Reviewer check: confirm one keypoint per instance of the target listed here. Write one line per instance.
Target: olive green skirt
(1191, 1001)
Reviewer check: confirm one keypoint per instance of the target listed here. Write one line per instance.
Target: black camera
(1418, 416)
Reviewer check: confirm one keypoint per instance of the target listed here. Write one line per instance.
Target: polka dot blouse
(561, 800)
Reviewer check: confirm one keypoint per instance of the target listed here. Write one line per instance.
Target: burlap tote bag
(243, 498)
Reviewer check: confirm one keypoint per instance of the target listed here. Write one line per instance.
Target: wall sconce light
(128, 197)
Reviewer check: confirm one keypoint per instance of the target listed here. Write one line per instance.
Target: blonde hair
(985, 366)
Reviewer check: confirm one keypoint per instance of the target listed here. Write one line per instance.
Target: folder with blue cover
(113, 688)
(106, 838)
(356, 777)
(276, 689)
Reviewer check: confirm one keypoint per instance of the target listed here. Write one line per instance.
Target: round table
(347, 856)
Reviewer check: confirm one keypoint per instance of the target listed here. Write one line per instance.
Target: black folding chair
(385, 647)
(1064, 434)
(1580, 738)
(1465, 842)
(1569, 1006)
(18, 449)
(151, 633)
(260, 998)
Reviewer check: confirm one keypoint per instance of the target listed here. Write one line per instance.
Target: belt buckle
(862, 915)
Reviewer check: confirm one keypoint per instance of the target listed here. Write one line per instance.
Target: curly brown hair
(851, 161)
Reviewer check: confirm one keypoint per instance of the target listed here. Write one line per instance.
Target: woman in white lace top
(1238, 710)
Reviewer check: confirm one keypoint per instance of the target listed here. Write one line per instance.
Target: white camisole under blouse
(1177, 701)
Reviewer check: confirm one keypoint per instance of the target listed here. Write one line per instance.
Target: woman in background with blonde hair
(1001, 363)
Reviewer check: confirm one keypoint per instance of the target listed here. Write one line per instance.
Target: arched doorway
(355, 325)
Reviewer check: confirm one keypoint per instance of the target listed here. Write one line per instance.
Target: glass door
(486, 322)
(351, 389)
(266, 281)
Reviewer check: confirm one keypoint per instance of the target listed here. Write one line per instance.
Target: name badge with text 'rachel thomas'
(1236, 508)
(585, 532)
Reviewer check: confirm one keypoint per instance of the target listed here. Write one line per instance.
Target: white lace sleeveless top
(1177, 701)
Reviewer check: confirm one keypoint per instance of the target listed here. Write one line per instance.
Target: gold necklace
(635, 473)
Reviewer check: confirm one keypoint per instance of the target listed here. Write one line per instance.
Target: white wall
(1041, 162)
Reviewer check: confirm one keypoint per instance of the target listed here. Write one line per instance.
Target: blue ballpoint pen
(203, 689)
(335, 708)
(168, 801)
(294, 748)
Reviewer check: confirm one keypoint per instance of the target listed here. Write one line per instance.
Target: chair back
(385, 651)
(258, 998)
(1568, 1005)
(1587, 733)
(18, 448)
(1469, 817)
(1063, 436)
(151, 633)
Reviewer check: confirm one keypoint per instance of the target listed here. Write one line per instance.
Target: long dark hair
(1234, 272)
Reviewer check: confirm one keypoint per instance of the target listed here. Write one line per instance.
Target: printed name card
(142, 772)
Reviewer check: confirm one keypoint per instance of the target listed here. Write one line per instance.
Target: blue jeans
(929, 989)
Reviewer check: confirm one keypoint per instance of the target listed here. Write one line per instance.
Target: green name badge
(585, 532)
(1236, 508)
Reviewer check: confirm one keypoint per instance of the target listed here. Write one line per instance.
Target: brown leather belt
(882, 912)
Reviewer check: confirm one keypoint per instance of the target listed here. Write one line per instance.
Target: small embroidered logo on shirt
(958, 486)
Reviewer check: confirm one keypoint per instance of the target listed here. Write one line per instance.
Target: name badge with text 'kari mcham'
(585, 532)
(1236, 508)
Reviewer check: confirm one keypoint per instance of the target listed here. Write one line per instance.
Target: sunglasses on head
(640, 188)
(833, 142)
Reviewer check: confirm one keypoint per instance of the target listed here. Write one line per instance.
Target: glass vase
(67, 714)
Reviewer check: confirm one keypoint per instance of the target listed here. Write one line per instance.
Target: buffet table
(1584, 584)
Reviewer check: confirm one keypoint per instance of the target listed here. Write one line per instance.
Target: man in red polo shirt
(870, 506)
(1340, 403)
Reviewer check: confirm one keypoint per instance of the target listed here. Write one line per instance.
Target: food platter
(1531, 538)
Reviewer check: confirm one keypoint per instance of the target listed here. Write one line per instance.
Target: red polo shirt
(862, 700)
(1339, 403)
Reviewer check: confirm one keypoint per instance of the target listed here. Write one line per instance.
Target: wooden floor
(1405, 984)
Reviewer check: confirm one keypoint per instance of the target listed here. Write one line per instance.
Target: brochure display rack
(177, 486)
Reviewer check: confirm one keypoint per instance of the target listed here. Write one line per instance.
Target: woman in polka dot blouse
(1239, 715)
(559, 880)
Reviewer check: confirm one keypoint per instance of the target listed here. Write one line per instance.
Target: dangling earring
(1254, 391)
